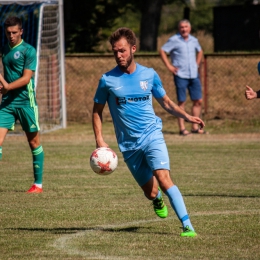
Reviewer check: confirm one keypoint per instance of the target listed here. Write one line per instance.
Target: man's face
(123, 53)
(184, 29)
(14, 35)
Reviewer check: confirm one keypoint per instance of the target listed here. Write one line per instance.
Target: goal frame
(61, 50)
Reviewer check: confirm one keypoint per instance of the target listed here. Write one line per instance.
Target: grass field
(82, 215)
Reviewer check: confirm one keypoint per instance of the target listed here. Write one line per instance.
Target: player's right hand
(250, 93)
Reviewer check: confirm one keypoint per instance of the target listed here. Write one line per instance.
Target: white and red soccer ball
(103, 160)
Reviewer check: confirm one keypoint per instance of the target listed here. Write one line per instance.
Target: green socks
(38, 159)
(0, 153)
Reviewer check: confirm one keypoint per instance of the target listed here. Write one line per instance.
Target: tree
(84, 21)
(151, 15)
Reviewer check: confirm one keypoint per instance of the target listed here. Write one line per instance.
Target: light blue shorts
(144, 161)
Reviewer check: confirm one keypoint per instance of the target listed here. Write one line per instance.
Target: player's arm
(172, 108)
(97, 124)
(167, 63)
(251, 94)
(24, 80)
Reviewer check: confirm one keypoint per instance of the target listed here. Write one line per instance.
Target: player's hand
(101, 144)
(195, 120)
(3, 85)
(250, 93)
(3, 90)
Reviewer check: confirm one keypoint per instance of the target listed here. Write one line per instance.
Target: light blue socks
(178, 205)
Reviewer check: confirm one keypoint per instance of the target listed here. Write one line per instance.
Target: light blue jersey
(129, 97)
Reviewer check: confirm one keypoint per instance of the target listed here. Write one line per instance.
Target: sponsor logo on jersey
(123, 100)
(136, 99)
(17, 54)
(144, 84)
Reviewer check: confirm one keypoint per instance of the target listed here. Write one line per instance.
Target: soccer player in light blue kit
(128, 89)
(18, 95)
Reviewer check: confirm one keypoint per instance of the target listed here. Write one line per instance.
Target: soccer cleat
(187, 232)
(35, 189)
(160, 208)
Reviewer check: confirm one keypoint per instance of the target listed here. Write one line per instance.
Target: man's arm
(97, 124)
(24, 80)
(175, 110)
(199, 57)
(167, 63)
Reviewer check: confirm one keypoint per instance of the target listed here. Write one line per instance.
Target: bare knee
(197, 103)
(164, 179)
(33, 139)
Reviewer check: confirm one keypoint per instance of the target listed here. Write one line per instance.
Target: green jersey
(15, 60)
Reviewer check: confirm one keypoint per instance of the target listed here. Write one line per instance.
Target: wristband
(258, 94)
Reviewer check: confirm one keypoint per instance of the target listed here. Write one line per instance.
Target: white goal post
(43, 26)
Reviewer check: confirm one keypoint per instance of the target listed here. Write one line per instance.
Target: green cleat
(160, 208)
(187, 232)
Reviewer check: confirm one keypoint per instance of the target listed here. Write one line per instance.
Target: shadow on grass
(76, 230)
(221, 195)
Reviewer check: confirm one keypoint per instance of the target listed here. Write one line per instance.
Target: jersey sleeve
(101, 92)
(30, 59)
(158, 90)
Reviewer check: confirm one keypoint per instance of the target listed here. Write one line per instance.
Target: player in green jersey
(18, 95)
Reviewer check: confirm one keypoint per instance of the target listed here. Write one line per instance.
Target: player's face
(123, 53)
(184, 29)
(14, 35)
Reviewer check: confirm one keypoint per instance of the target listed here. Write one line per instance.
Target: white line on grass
(62, 243)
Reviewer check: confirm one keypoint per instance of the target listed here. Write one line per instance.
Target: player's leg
(158, 160)
(137, 164)
(7, 120)
(176, 200)
(181, 88)
(3, 132)
(38, 160)
(153, 192)
(28, 117)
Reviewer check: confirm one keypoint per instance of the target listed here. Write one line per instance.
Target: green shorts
(28, 117)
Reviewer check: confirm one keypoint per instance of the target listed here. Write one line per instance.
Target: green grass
(81, 215)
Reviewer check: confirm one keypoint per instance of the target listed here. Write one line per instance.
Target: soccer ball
(103, 161)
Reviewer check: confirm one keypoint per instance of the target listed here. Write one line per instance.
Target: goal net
(43, 29)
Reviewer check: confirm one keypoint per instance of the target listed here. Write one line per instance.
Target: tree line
(87, 23)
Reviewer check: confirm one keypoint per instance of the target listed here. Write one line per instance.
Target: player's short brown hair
(13, 21)
(123, 32)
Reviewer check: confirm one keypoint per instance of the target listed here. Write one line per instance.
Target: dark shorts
(28, 117)
(193, 86)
